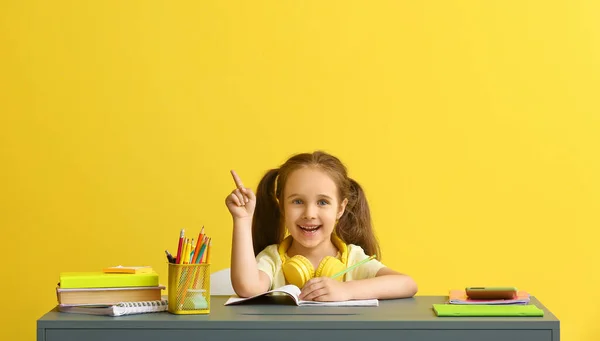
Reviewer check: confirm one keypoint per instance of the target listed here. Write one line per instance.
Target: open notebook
(294, 292)
(119, 309)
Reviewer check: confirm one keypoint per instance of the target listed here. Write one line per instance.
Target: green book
(487, 310)
(73, 280)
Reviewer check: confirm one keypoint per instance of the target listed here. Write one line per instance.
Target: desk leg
(41, 334)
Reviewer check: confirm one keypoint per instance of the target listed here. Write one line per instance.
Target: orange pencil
(198, 245)
(203, 251)
(202, 248)
(208, 251)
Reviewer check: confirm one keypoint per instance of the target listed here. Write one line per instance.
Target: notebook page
(350, 303)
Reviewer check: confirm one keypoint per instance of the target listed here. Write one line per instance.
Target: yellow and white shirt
(269, 262)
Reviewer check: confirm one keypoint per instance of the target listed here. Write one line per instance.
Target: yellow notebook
(72, 280)
(119, 269)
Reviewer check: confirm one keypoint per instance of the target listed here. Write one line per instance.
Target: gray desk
(405, 319)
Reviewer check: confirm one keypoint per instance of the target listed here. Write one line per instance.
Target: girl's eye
(323, 202)
(296, 201)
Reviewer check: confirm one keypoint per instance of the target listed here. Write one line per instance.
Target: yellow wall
(472, 125)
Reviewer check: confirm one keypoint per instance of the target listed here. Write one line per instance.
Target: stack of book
(111, 286)
(461, 304)
(461, 297)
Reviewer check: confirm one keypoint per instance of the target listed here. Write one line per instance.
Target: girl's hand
(324, 289)
(242, 201)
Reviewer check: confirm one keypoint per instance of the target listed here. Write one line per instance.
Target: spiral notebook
(120, 309)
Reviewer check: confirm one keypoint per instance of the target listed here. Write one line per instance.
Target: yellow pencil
(189, 251)
(186, 247)
(192, 245)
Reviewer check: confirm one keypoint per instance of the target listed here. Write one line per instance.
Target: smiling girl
(308, 222)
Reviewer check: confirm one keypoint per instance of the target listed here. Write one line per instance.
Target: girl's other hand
(324, 289)
(242, 201)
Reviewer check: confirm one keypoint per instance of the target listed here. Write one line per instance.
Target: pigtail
(355, 226)
(266, 222)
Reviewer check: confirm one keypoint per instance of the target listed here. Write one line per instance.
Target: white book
(119, 309)
(294, 292)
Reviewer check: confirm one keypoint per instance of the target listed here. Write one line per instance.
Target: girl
(329, 224)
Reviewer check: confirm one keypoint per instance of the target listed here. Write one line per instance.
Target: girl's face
(311, 207)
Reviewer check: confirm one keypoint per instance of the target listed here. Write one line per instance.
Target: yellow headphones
(298, 269)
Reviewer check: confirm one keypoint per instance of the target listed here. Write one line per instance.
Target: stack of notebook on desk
(459, 304)
(460, 297)
(107, 288)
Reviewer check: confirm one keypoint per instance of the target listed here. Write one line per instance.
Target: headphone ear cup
(329, 266)
(297, 270)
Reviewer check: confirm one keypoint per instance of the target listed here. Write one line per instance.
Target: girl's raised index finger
(237, 180)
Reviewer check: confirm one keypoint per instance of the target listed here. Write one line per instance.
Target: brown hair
(354, 227)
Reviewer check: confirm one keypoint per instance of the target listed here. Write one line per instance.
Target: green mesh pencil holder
(189, 288)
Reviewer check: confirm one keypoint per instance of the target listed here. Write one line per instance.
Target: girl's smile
(309, 230)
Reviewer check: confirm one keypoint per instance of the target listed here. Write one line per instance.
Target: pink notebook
(460, 297)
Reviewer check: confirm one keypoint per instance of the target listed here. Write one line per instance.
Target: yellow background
(472, 125)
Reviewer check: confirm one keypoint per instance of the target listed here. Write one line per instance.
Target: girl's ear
(342, 208)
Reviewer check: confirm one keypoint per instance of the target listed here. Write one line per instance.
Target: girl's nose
(310, 212)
